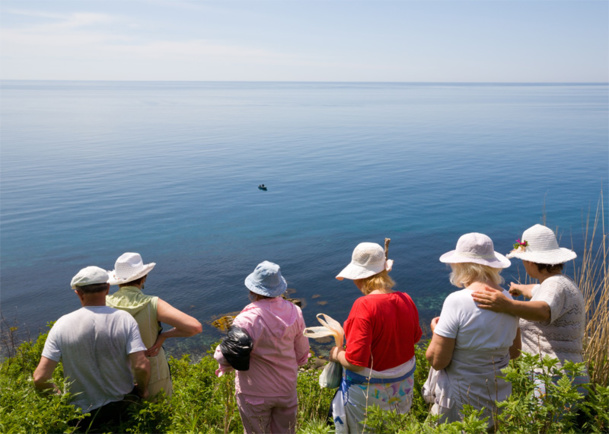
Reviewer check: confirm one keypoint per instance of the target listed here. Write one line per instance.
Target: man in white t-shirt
(101, 350)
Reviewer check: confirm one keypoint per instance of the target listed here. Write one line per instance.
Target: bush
(567, 407)
(204, 403)
(22, 408)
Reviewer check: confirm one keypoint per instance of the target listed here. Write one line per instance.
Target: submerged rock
(224, 322)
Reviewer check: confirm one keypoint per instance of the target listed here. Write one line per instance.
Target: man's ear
(79, 294)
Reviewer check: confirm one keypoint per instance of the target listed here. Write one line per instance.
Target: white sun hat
(367, 260)
(539, 245)
(477, 248)
(129, 267)
(91, 275)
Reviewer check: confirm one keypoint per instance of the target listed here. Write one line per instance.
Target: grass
(592, 278)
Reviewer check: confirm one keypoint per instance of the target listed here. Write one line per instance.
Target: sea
(90, 170)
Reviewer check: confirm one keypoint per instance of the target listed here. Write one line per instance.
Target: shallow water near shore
(90, 170)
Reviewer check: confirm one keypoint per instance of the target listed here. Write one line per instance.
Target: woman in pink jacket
(266, 392)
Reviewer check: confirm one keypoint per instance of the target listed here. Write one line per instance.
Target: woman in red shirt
(381, 332)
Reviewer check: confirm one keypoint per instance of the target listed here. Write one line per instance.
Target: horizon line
(311, 81)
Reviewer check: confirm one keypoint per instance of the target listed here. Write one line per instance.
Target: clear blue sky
(306, 40)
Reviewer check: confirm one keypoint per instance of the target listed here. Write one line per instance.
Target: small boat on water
(262, 187)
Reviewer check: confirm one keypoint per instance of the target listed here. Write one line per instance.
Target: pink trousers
(263, 414)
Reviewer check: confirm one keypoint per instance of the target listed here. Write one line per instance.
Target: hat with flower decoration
(538, 244)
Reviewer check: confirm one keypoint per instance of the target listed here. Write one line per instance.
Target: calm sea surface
(90, 170)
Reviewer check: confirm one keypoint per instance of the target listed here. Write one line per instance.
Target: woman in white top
(470, 346)
(553, 321)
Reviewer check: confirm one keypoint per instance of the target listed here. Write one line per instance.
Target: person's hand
(515, 289)
(434, 323)
(334, 352)
(142, 392)
(520, 289)
(51, 390)
(153, 351)
(491, 299)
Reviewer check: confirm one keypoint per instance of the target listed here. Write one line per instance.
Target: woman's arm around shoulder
(498, 302)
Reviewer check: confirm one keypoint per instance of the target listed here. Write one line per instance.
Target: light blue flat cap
(266, 280)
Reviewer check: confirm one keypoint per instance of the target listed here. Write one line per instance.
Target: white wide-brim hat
(266, 280)
(129, 267)
(367, 260)
(478, 249)
(538, 244)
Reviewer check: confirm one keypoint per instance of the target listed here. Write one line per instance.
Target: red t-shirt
(384, 326)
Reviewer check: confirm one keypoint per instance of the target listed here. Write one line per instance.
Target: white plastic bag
(329, 327)
(332, 373)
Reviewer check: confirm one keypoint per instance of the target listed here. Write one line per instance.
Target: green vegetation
(204, 403)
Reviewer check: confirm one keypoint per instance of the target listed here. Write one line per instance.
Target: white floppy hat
(539, 245)
(91, 275)
(476, 248)
(266, 280)
(129, 267)
(367, 260)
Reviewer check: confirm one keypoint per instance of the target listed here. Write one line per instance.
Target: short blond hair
(464, 274)
(377, 281)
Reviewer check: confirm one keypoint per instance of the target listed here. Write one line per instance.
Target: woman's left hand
(153, 351)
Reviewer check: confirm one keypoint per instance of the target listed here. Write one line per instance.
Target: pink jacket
(275, 325)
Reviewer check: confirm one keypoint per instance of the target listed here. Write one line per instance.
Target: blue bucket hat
(266, 280)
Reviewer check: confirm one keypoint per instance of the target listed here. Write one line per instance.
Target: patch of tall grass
(592, 277)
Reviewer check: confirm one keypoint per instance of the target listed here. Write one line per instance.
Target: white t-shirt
(94, 344)
(562, 336)
(482, 342)
(480, 334)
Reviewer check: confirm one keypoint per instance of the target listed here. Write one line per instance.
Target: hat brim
(548, 257)
(496, 261)
(263, 290)
(120, 281)
(356, 272)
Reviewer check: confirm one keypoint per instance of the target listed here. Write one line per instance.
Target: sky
(306, 40)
